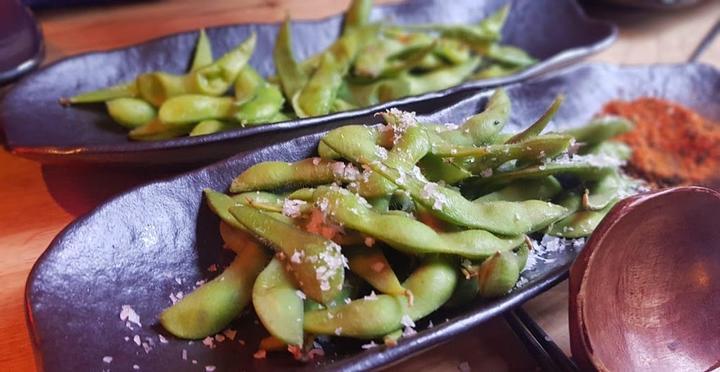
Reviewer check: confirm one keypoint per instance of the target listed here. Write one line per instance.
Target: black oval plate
(555, 31)
(131, 250)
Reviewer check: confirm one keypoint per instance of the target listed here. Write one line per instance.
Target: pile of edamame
(368, 64)
(455, 206)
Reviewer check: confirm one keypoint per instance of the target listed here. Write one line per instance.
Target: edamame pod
(278, 305)
(370, 264)
(157, 130)
(123, 90)
(510, 56)
(271, 175)
(247, 84)
(481, 128)
(210, 308)
(544, 188)
(315, 262)
(267, 102)
(203, 52)
(211, 126)
(193, 108)
(357, 15)
(217, 77)
(432, 284)
(292, 77)
(600, 129)
(414, 237)
(539, 125)
(130, 112)
(352, 320)
(498, 274)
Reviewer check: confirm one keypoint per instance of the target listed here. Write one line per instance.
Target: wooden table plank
(38, 201)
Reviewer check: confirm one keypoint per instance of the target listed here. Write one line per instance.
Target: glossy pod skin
(411, 236)
(277, 304)
(432, 285)
(208, 309)
(131, 112)
(320, 273)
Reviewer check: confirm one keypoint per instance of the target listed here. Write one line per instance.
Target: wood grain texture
(38, 201)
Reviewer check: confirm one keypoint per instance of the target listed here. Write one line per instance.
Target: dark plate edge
(555, 62)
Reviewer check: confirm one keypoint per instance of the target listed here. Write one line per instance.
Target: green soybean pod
(247, 84)
(263, 107)
(203, 52)
(316, 263)
(510, 56)
(499, 273)
(357, 15)
(123, 90)
(544, 188)
(210, 308)
(362, 318)
(157, 130)
(494, 70)
(432, 284)
(370, 264)
(192, 108)
(157, 87)
(539, 125)
(130, 112)
(216, 78)
(442, 78)
(292, 77)
(278, 305)
(211, 126)
(600, 129)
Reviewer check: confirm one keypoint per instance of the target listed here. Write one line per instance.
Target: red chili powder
(671, 143)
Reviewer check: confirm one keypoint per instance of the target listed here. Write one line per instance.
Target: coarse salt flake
(136, 340)
(407, 321)
(292, 208)
(209, 368)
(107, 359)
(370, 345)
(128, 314)
(300, 294)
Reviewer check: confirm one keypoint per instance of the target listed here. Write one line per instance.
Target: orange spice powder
(671, 143)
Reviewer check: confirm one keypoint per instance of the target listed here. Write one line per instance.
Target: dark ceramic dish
(555, 31)
(132, 249)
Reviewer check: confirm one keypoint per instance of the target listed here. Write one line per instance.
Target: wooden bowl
(645, 291)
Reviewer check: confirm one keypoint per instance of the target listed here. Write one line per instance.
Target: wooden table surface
(37, 201)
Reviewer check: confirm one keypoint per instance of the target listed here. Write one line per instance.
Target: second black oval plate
(557, 32)
(159, 239)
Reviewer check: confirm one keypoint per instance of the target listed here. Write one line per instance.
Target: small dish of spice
(672, 144)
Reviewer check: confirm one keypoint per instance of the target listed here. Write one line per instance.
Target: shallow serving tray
(555, 31)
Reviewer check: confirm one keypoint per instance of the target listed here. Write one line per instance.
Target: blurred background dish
(21, 41)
